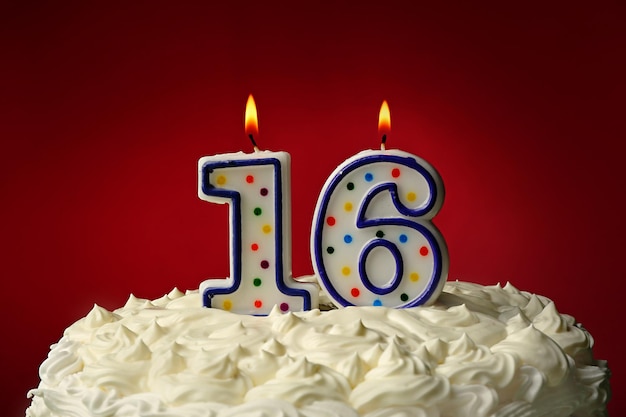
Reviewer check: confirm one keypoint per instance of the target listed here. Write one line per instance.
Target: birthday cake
(477, 351)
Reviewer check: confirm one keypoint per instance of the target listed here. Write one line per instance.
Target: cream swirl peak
(479, 351)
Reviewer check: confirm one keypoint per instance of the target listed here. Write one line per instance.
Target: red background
(106, 110)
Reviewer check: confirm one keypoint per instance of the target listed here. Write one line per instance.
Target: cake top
(477, 351)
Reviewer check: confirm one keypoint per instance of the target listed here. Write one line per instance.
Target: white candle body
(372, 239)
(257, 188)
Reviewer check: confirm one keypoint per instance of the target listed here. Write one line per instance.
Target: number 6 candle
(372, 240)
(257, 188)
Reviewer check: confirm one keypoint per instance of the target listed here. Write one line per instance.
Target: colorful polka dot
(258, 303)
(347, 206)
(330, 250)
(249, 179)
(264, 192)
(254, 247)
(411, 196)
(377, 303)
(423, 251)
(403, 238)
(380, 234)
(227, 305)
(267, 228)
(350, 186)
(284, 307)
(345, 270)
(257, 282)
(395, 172)
(414, 276)
(265, 264)
(369, 177)
(347, 239)
(404, 297)
(355, 292)
(331, 221)
(221, 180)
(257, 211)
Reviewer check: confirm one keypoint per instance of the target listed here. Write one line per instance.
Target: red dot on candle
(250, 179)
(258, 303)
(423, 251)
(265, 264)
(331, 221)
(254, 247)
(395, 172)
(355, 292)
(284, 307)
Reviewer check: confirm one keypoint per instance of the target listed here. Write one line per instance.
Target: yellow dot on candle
(347, 206)
(267, 228)
(414, 276)
(411, 196)
(345, 270)
(227, 304)
(221, 180)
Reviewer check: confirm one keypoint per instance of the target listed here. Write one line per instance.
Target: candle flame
(251, 120)
(384, 119)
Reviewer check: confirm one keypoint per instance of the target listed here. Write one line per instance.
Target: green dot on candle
(258, 211)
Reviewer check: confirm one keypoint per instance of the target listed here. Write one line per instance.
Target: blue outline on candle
(397, 277)
(235, 238)
(434, 243)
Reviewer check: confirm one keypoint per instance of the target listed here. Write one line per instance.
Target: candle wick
(256, 148)
(382, 142)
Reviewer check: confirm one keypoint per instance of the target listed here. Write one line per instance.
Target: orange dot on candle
(249, 179)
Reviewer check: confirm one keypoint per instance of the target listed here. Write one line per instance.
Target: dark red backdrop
(105, 111)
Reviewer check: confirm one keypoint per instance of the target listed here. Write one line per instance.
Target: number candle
(257, 188)
(372, 239)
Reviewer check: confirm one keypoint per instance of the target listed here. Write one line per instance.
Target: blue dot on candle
(403, 238)
(347, 239)
(369, 177)
(377, 303)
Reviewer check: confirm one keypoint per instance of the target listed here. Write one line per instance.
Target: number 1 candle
(372, 241)
(257, 188)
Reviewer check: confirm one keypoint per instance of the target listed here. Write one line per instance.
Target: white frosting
(478, 351)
